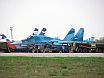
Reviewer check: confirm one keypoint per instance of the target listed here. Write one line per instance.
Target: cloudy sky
(58, 16)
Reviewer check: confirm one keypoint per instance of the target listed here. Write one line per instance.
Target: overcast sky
(58, 16)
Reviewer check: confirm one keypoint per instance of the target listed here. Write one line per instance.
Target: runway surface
(54, 54)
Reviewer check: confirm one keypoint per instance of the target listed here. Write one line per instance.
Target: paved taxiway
(54, 54)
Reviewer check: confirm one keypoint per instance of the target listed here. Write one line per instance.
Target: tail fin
(70, 35)
(2, 36)
(43, 31)
(79, 35)
(35, 32)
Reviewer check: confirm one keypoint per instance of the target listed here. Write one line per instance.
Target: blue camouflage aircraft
(41, 38)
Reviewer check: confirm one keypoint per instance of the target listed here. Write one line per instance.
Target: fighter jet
(41, 38)
(6, 44)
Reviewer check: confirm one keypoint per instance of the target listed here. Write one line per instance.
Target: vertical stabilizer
(2, 36)
(70, 35)
(79, 36)
(35, 32)
(43, 31)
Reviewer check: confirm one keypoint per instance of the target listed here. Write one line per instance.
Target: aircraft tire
(85, 51)
(79, 50)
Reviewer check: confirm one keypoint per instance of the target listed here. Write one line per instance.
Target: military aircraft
(5, 44)
(40, 39)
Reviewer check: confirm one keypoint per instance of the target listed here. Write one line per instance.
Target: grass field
(68, 67)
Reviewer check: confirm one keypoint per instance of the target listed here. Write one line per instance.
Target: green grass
(34, 67)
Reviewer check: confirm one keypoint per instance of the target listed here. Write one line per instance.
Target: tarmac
(54, 54)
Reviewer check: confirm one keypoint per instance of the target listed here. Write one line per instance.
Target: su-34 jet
(41, 39)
